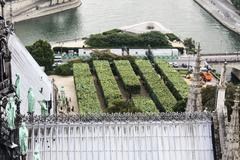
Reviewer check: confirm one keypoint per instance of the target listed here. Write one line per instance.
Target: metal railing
(5, 84)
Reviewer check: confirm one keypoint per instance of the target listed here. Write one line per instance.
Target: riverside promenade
(28, 9)
(223, 11)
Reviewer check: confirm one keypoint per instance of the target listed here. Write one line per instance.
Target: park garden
(128, 85)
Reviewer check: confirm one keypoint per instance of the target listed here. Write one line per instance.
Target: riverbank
(223, 12)
(39, 9)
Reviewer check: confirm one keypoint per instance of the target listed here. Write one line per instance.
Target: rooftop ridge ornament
(221, 109)
(17, 85)
(231, 151)
(23, 139)
(194, 103)
(118, 117)
(222, 82)
(10, 116)
(2, 2)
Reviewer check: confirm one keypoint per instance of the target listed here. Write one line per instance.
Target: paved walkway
(68, 83)
(69, 43)
(224, 12)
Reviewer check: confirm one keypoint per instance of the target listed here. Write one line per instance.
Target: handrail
(4, 84)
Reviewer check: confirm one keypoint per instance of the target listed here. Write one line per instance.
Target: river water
(183, 17)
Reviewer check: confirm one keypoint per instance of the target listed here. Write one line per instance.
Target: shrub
(158, 90)
(130, 80)
(107, 55)
(175, 81)
(144, 104)
(107, 81)
(85, 89)
(122, 107)
(64, 69)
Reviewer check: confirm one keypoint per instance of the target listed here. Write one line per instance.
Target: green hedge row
(158, 90)
(144, 104)
(107, 81)
(173, 78)
(85, 89)
(127, 75)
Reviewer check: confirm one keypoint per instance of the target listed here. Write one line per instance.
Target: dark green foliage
(209, 97)
(172, 37)
(107, 82)
(42, 53)
(180, 105)
(122, 107)
(154, 39)
(64, 69)
(107, 55)
(127, 76)
(230, 91)
(113, 31)
(118, 39)
(190, 46)
(173, 79)
(160, 94)
(236, 3)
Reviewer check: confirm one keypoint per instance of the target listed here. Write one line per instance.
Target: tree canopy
(190, 46)
(42, 52)
(116, 38)
(236, 3)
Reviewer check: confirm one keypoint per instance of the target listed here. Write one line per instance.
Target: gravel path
(68, 83)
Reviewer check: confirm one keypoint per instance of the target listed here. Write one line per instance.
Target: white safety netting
(154, 140)
(31, 75)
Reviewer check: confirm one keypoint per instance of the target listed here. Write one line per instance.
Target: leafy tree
(209, 97)
(64, 69)
(190, 45)
(154, 39)
(42, 53)
(113, 31)
(115, 38)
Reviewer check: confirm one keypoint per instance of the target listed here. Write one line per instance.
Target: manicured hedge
(158, 90)
(107, 81)
(175, 81)
(144, 104)
(85, 89)
(127, 75)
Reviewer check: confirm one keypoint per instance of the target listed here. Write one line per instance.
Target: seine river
(184, 17)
